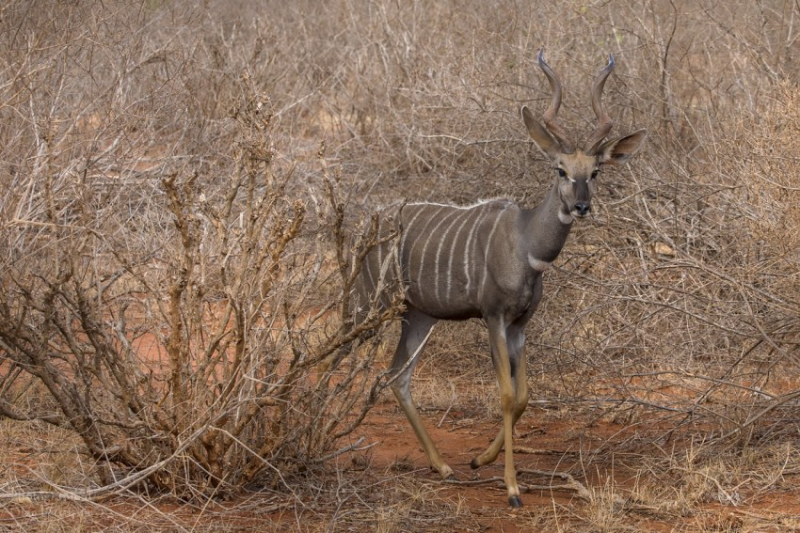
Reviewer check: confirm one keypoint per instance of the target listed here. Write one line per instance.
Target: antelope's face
(576, 175)
(578, 170)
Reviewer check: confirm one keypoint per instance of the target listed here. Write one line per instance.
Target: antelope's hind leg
(415, 328)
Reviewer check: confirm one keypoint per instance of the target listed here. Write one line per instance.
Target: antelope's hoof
(514, 502)
(446, 473)
(474, 464)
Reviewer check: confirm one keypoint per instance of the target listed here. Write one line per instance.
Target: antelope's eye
(595, 173)
(562, 173)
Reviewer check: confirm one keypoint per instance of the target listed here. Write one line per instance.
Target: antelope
(486, 261)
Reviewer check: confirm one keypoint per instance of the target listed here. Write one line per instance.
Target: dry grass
(671, 317)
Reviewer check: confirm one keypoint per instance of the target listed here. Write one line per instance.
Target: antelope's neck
(546, 230)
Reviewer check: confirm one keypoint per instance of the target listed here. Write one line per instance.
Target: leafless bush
(172, 302)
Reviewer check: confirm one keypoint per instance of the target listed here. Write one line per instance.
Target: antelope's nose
(582, 208)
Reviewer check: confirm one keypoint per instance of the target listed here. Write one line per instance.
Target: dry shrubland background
(178, 245)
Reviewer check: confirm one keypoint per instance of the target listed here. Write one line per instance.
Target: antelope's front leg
(519, 377)
(508, 400)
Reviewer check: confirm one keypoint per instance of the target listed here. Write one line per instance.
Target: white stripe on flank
(384, 269)
(486, 252)
(450, 261)
(424, 231)
(452, 252)
(467, 252)
(434, 235)
(404, 237)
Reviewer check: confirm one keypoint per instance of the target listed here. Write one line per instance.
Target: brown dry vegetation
(179, 247)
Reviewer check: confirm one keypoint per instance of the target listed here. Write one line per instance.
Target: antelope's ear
(544, 141)
(620, 150)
